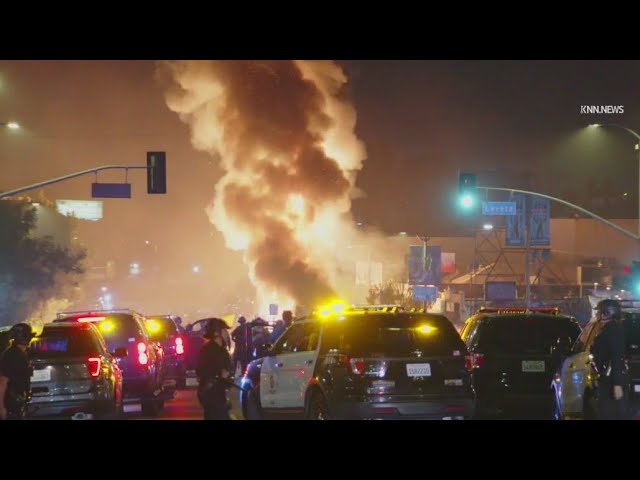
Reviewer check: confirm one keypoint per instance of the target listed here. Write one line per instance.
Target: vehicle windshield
(63, 342)
(527, 334)
(393, 335)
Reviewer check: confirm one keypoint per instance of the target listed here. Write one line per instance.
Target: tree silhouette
(33, 270)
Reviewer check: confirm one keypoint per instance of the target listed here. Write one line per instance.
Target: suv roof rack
(375, 308)
(91, 312)
(511, 310)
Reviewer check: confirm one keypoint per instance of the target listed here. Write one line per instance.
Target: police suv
(574, 384)
(514, 353)
(362, 363)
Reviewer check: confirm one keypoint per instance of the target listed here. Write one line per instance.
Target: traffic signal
(634, 280)
(156, 172)
(467, 190)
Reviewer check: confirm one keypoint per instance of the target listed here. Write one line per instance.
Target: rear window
(393, 335)
(64, 342)
(160, 328)
(632, 332)
(527, 334)
(117, 329)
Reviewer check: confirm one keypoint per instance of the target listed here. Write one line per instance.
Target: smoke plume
(284, 134)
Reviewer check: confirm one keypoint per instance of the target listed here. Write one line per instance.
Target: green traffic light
(466, 201)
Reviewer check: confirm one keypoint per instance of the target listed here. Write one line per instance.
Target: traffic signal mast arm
(17, 191)
(156, 175)
(568, 204)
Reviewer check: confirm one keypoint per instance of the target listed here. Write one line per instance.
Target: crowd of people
(216, 367)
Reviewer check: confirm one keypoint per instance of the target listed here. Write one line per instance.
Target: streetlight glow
(13, 125)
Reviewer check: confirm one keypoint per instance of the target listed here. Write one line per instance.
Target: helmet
(610, 308)
(216, 325)
(21, 333)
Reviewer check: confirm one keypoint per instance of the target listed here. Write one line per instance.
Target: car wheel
(252, 411)
(318, 409)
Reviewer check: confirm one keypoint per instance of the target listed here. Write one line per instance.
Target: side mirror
(120, 352)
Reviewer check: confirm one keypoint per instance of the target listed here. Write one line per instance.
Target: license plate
(533, 366)
(636, 388)
(419, 370)
(132, 408)
(43, 375)
(192, 382)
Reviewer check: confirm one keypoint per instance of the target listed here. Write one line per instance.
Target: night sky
(517, 123)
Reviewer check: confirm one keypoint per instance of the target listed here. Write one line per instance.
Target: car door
(297, 369)
(271, 387)
(573, 374)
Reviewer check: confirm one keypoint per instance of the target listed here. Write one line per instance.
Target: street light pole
(425, 240)
(637, 137)
(527, 262)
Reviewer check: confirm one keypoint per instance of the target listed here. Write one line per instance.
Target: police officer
(15, 374)
(240, 350)
(213, 370)
(608, 352)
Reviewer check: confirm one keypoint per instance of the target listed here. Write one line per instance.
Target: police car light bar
(502, 310)
(92, 312)
(375, 308)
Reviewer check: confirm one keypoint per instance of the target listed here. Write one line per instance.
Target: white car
(575, 383)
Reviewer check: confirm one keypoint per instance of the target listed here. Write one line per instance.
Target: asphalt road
(186, 407)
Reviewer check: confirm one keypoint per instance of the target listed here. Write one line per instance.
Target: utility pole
(425, 240)
(527, 255)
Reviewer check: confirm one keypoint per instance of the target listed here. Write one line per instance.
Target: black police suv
(514, 354)
(362, 363)
(163, 329)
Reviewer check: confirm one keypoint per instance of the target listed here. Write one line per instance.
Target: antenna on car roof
(507, 310)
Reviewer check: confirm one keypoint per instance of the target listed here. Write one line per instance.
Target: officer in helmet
(15, 374)
(608, 353)
(213, 371)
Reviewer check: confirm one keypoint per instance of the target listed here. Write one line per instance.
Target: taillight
(94, 364)
(354, 365)
(179, 346)
(143, 358)
(474, 360)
